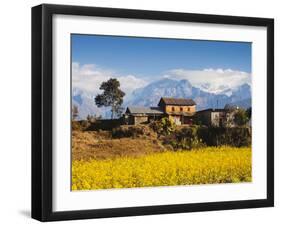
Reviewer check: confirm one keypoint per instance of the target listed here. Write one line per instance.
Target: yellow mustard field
(203, 166)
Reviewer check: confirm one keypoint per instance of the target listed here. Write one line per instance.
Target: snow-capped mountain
(85, 101)
(241, 93)
(151, 94)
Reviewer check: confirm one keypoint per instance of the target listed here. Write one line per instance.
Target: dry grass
(99, 145)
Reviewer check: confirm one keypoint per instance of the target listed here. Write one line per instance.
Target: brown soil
(99, 145)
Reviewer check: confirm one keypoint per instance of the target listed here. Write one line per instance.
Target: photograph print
(149, 112)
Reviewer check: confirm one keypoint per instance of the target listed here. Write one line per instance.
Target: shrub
(217, 136)
(75, 125)
(85, 124)
(189, 138)
(165, 126)
(133, 132)
(185, 139)
(241, 117)
(80, 125)
(104, 124)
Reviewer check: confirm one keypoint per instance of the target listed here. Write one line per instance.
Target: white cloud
(129, 83)
(212, 80)
(88, 77)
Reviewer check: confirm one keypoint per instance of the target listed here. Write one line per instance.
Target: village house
(139, 115)
(180, 110)
(211, 117)
(217, 117)
(183, 112)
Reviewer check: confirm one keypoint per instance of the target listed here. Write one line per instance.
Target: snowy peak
(150, 95)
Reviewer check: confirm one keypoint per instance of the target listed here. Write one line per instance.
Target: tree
(240, 117)
(75, 112)
(112, 96)
(249, 112)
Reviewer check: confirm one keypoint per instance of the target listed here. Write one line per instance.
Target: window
(181, 109)
(173, 109)
(188, 109)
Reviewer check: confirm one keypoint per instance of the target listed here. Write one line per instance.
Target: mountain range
(151, 94)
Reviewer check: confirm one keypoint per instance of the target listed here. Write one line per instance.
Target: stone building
(211, 117)
(140, 115)
(217, 117)
(180, 110)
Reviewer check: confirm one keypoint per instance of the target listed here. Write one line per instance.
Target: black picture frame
(42, 111)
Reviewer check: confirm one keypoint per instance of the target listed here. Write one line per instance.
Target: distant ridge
(150, 95)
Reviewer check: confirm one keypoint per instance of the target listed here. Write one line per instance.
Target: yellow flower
(205, 166)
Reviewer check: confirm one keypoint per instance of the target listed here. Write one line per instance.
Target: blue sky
(153, 56)
(212, 66)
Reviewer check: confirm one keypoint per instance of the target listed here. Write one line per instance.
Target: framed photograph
(145, 112)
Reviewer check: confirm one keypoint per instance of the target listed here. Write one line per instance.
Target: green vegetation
(241, 117)
(112, 96)
(165, 126)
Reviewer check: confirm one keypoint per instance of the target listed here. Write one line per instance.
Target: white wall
(15, 147)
